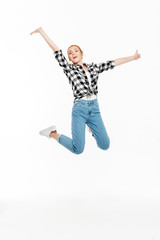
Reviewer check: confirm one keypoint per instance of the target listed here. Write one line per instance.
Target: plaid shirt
(78, 78)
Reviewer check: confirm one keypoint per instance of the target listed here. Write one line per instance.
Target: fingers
(32, 32)
(35, 31)
(137, 55)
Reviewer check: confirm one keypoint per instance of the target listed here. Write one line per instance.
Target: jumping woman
(83, 78)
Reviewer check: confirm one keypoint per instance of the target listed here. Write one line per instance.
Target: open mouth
(74, 57)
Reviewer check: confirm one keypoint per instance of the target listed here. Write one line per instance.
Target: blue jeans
(85, 112)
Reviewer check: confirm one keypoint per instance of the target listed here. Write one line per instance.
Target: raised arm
(119, 61)
(48, 40)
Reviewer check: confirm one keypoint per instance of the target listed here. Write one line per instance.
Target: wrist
(132, 57)
(41, 30)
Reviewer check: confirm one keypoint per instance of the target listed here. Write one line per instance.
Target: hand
(38, 30)
(136, 55)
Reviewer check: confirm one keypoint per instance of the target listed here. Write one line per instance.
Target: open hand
(38, 30)
(136, 55)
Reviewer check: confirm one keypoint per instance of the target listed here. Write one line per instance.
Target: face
(74, 54)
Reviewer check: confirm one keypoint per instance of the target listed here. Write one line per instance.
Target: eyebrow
(71, 50)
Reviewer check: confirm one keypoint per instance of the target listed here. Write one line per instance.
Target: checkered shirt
(77, 76)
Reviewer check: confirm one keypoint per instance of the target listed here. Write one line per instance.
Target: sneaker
(46, 132)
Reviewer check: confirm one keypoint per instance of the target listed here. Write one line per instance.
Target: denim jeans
(85, 112)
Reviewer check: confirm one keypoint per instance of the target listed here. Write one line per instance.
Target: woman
(83, 78)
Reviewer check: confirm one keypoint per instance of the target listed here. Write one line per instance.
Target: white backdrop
(98, 194)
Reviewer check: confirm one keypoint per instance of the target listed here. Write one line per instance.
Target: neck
(79, 63)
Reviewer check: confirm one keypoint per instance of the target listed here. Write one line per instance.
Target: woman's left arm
(119, 61)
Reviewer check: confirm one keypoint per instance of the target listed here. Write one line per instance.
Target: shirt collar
(78, 66)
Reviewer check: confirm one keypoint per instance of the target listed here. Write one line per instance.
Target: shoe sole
(52, 128)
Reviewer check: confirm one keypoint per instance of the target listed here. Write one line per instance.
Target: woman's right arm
(48, 40)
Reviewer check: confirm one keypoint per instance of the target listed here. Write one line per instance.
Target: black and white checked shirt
(77, 76)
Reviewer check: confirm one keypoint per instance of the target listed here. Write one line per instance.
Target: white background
(47, 192)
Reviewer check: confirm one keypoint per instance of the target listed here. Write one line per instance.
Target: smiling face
(74, 54)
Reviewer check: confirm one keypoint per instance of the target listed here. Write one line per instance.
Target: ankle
(54, 135)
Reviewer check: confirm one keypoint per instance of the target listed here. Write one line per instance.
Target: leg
(77, 143)
(96, 125)
(54, 135)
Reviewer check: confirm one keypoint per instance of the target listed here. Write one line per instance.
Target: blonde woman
(83, 78)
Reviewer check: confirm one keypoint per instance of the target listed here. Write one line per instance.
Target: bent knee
(78, 150)
(105, 145)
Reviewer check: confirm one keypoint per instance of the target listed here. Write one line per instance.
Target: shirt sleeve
(104, 66)
(61, 59)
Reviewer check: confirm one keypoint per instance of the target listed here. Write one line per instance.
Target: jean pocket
(78, 104)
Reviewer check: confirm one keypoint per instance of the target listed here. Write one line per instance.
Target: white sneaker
(46, 132)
